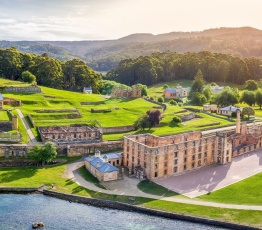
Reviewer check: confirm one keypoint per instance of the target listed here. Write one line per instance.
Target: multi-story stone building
(155, 157)
(70, 134)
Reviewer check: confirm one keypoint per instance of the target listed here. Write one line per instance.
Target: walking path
(32, 141)
(130, 189)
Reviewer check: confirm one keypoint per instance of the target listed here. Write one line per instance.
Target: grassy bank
(34, 177)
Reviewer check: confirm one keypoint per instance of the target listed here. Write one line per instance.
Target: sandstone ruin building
(119, 92)
(155, 157)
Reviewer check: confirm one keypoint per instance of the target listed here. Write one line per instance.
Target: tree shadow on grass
(16, 174)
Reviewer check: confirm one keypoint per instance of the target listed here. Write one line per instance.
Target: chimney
(97, 153)
(238, 121)
(97, 164)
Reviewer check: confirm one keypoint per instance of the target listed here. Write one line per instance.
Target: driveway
(211, 178)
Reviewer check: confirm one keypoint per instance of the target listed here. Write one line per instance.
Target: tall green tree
(248, 111)
(226, 98)
(198, 83)
(251, 85)
(258, 94)
(248, 97)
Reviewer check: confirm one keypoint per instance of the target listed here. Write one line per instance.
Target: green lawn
(155, 189)
(247, 191)
(4, 116)
(89, 177)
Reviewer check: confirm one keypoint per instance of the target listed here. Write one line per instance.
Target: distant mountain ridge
(105, 54)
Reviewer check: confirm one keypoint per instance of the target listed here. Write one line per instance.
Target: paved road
(130, 189)
(32, 141)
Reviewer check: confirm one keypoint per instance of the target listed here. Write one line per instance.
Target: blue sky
(111, 19)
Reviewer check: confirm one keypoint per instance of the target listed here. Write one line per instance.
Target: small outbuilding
(87, 90)
(227, 110)
(99, 166)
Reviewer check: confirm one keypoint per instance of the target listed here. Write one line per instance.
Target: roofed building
(177, 92)
(156, 157)
(227, 110)
(87, 90)
(100, 165)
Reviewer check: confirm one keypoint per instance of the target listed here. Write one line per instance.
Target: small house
(212, 107)
(177, 92)
(103, 166)
(87, 90)
(227, 111)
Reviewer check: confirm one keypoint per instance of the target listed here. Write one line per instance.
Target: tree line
(167, 66)
(70, 75)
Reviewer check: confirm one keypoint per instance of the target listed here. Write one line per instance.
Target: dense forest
(167, 66)
(70, 75)
(241, 42)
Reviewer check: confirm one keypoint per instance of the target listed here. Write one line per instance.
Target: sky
(67, 20)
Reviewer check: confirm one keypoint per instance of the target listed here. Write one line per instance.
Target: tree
(165, 86)
(248, 111)
(44, 154)
(258, 94)
(154, 117)
(27, 76)
(248, 97)
(251, 85)
(176, 119)
(142, 122)
(160, 99)
(198, 99)
(207, 92)
(198, 83)
(226, 97)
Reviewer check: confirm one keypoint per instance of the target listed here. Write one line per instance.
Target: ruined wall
(12, 102)
(118, 129)
(26, 89)
(5, 126)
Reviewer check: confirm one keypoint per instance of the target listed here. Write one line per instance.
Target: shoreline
(125, 207)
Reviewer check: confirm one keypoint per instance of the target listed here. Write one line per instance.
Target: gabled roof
(170, 90)
(112, 155)
(230, 108)
(1, 97)
(104, 167)
(87, 88)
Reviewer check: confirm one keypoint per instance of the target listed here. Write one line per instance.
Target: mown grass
(4, 116)
(34, 177)
(247, 191)
(155, 189)
(89, 177)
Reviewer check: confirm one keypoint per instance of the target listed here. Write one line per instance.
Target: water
(20, 211)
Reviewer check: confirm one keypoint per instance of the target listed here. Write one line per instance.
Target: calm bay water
(20, 211)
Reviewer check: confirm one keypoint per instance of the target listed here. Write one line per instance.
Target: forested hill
(167, 66)
(103, 55)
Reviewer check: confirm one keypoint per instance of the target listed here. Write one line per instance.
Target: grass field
(123, 112)
(247, 191)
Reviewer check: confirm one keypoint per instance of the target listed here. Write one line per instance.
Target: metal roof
(1, 97)
(230, 108)
(104, 167)
(171, 90)
(112, 155)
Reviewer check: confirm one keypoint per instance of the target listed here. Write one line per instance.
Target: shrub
(180, 104)
(173, 102)
(28, 77)
(151, 98)
(176, 119)
(160, 99)
(165, 86)
(234, 114)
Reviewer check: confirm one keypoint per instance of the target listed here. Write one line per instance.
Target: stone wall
(12, 102)
(118, 129)
(17, 190)
(80, 149)
(5, 126)
(31, 120)
(92, 103)
(134, 208)
(26, 89)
